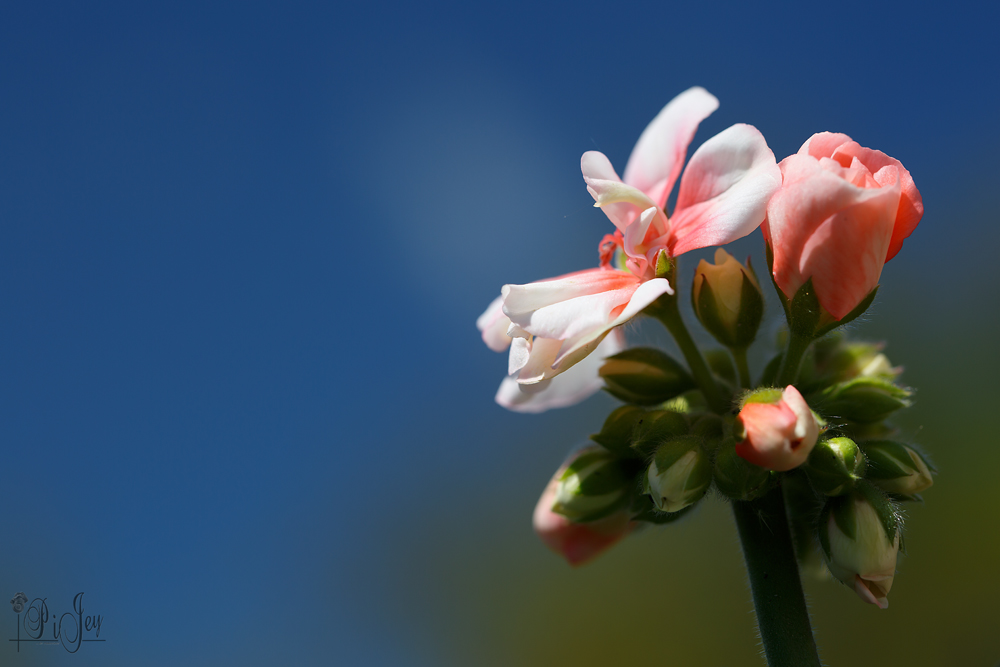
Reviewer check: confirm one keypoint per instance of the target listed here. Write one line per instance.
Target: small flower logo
(18, 602)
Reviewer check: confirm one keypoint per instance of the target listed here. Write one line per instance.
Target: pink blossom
(558, 322)
(779, 435)
(842, 212)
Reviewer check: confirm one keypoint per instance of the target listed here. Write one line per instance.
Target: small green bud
(644, 376)
(727, 300)
(897, 468)
(834, 466)
(859, 533)
(864, 399)
(619, 429)
(737, 478)
(687, 403)
(835, 359)
(656, 427)
(679, 474)
(594, 486)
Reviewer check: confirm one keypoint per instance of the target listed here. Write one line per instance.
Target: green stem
(665, 309)
(789, 371)
(740, 356)
(782, 617)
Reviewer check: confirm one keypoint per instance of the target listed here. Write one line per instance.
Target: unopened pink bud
(778, 435)
(576, 542)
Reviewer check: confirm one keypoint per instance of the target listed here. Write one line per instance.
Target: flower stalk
(780, 605)
(666, 310)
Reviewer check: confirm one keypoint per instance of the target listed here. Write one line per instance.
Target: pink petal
(493, 325)
(823, 144)
(724, 191)
(659, 154)
(568, 388)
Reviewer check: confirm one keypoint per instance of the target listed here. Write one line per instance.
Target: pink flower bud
(576, 542)
(778, 435)
(842, 212)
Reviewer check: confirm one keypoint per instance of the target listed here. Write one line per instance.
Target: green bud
(689, 402)
(897, 468)
(594, 486)
(619, 430)
(834, 466)
(834, 359)
(655, 428)
(679, 474)
(865, 399)
(736, 477)
(860, 537)
(727, 300)
(644, 376)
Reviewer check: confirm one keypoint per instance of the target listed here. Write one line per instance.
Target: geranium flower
(558, 322)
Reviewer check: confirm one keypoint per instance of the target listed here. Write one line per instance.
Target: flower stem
(789, 371)
(740, 356)
(780, 605)
(666, 311)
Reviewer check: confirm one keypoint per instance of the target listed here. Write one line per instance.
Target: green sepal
(737, 478)
(655, 428)
(619, 430)
(761, 395)
(823, 531)
(851, 316)
(646, 511)
(611, 475)
(845, 517)
(619, 504)
(751, 312)
(865, 399)
(883, 456)
(834, 466)
(887, 512)
(645, 376)
(809, 319)
(672, 449)
(689, 402)
(708, 314)
(904, 498)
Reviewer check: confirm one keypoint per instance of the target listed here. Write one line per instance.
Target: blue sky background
(242, 246)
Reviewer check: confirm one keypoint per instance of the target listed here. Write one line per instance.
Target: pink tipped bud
(779, 432)
(576, 542)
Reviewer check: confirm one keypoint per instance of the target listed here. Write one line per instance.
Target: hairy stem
(789, 371)
(666, 311)
(780, 605)
(740, 356)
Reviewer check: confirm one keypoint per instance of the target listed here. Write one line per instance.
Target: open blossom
(558, 322)
(576, 542)
(778, 435)
(842, 212)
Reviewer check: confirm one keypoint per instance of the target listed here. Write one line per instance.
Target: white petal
(493, 325)
(569, 388)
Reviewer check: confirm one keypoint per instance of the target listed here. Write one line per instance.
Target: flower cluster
(812, 427)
